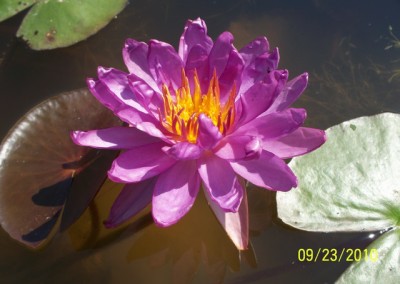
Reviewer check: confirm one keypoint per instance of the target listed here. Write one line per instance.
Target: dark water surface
(354, 65)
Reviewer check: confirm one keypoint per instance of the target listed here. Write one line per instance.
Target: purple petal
(254, 49)
(208, 134)
(148, 97)
(236, 224)
(238, 147)
(133, 198)
(141, 121)
(194, 34)
(165, 65)
(113, 138)
(258, 98)
(135, 58)
(275, 124)
(117, 82)
(290, 92)
(103, 94)
(300, 142)
(257, 66)
(184, 151)
(175, 192)
(140, 163)
(221, 183)
(197, 59)
(227, 62)
(268, 171)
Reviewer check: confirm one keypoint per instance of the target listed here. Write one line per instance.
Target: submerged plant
(207, 114)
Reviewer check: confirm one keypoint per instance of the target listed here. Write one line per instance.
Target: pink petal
(236, 224)
(197, 59)
(227, 62)
(194, 34)
(175, 192)
(117, 82)
(140, 163)
(238, 147)
(165, 65)
(258, 98)
(148, 97)
(133, 198)
(300, 142)
(103, 94)
(290, 92)
(268, 171)
(208, 134)
(135, 58)
(113, 138)
(254, 49)
(141, 121)
(221, 183)
(274, 125)
(184, 151)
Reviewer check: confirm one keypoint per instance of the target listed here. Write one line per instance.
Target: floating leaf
(351, 183)
(9, 8)
(41, 168)
(59, 23)
(379, 261)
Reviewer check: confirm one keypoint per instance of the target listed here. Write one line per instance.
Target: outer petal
(254, 49)
(175, 192)
(184, 151)
(208, 134)
(267, 171)
(238, 147)
(133, 198)
(300, 142)
(236, 224)
(141, 121)
(140, 163)
(291, 91)
(194, 34)
(258, 98)
(113, 138)
(117, 82)
(275, 124)
(135, 58)
(103, 94)
(221, 183)
(165, 65)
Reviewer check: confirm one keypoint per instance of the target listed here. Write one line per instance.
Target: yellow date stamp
(337, 255)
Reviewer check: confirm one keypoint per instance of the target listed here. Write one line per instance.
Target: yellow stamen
(181, 112)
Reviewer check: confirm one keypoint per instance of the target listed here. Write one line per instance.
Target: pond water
(349, 48)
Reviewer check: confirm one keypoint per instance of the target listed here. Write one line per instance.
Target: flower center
(181, 112)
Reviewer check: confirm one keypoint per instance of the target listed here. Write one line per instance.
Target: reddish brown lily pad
(41, 169)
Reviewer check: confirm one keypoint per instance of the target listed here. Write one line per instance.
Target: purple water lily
(206, 115)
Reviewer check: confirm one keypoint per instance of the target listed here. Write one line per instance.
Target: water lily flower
(207, 115)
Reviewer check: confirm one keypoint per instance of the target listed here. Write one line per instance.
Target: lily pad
(351, 183)
(59, 23)
(379, 261)
(9, 8)
(41, 169)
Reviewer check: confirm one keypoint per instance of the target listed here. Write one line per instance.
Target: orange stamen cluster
(181, 112)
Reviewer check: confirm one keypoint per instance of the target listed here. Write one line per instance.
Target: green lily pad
(43, 174)
(9, 8)
(59, 23)
(379, 261)
(351, 183)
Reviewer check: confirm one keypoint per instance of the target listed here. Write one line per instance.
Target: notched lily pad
(34, 180)
(351, 183)
(59, 23)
